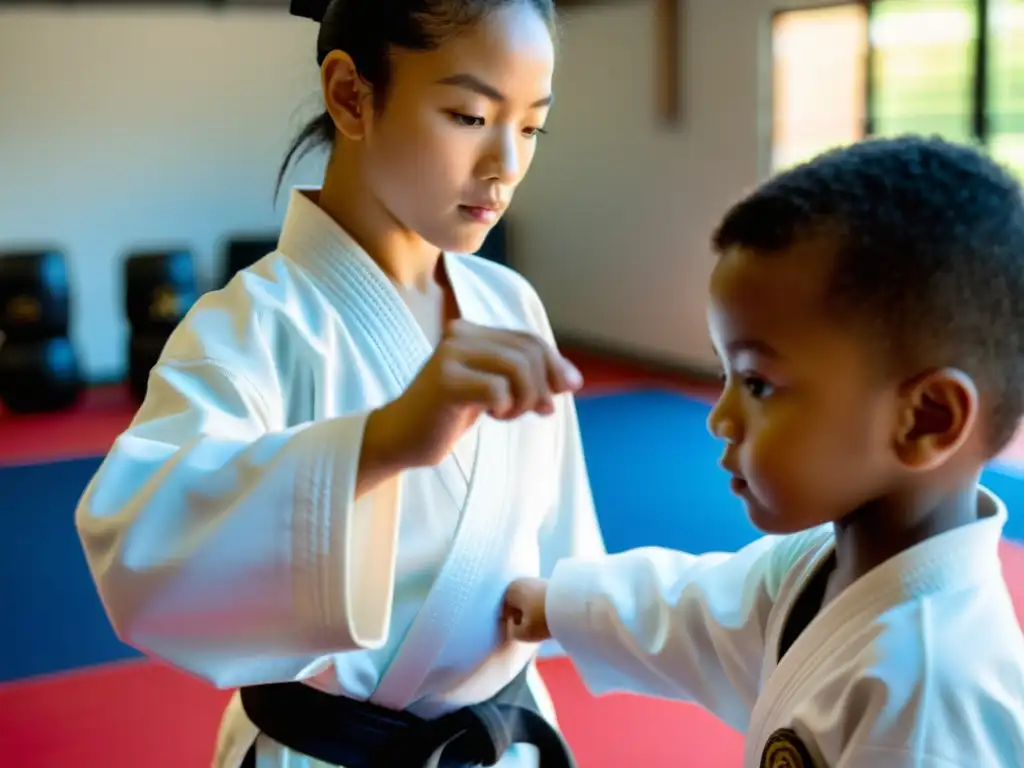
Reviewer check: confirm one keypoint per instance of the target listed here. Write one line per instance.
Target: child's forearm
(667, 624)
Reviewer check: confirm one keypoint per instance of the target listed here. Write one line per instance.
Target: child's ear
(938, 412)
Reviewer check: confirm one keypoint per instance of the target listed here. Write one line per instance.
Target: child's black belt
(357, 734)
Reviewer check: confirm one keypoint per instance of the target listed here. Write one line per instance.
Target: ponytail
(317, 132)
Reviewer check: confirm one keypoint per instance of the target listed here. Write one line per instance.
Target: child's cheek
(774, 470)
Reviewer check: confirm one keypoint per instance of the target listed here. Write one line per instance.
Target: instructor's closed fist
(475, 370)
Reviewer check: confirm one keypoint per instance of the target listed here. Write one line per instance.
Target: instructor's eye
(470, 121)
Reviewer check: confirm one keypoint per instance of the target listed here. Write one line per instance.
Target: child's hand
(523, 612)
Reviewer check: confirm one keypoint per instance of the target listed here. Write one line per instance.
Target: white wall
(126, 129)
(613, 224)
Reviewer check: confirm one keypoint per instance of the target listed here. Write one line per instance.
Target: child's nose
(721, 423)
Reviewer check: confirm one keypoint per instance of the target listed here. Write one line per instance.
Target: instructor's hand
(474, 370)
(523, 612)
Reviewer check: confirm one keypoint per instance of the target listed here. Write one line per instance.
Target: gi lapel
(478, 539)
(369, 304)
(964, 556)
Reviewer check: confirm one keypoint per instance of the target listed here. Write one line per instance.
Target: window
(1006, 83)
(923, 61)
(818, 80)
(890, 67)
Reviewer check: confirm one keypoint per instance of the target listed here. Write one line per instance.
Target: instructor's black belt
(357, 734)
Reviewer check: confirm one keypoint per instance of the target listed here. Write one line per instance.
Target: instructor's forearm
(379, 459)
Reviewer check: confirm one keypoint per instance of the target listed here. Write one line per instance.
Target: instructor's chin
(462, 237)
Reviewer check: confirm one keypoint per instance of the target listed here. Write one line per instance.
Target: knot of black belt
(481, 734)
(356, 734)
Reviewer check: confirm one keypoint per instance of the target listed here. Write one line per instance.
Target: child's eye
(470, 121)
(757, 386)
(534, 133)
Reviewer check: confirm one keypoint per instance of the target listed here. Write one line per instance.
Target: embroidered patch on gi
(784, 749)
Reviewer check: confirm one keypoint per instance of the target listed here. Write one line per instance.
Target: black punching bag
(242, 252)
(160, 288)
(34, 301)
(39, 376)
(39, 369)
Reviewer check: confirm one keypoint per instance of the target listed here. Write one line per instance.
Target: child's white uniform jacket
(919, 664)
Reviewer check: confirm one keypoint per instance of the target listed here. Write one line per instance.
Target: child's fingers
(516, 628)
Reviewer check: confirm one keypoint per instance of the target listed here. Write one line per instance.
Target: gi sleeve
(670, 624)
(221, 541)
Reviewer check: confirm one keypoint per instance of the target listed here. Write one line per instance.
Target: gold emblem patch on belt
(784, 749)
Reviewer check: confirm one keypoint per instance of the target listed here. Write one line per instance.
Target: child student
(868, 310)
(346, 456)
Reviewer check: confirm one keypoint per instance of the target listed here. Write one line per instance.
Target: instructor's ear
(345, 95)
(938, 412)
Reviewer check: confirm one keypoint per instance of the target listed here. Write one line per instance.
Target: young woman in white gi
(346, 455)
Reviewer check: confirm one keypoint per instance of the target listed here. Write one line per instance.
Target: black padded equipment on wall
(242, 252)
(39, 370)
(160, 288)
(39, 376)
(34, 301)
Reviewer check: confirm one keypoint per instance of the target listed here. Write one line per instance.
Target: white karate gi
(919, 664)
(221, 529)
